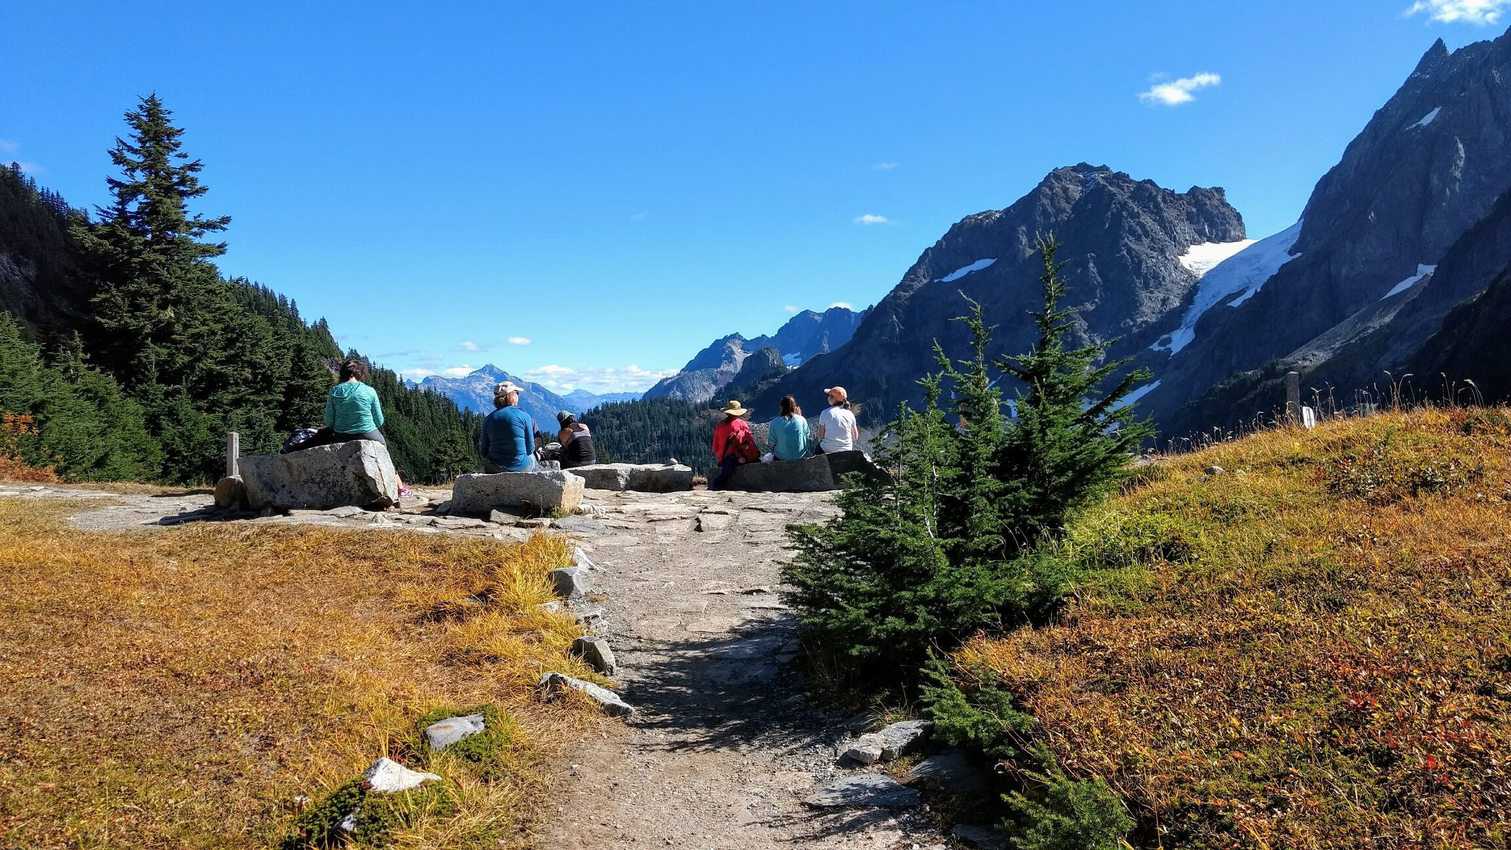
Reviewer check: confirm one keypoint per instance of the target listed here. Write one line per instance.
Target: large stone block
(853, 462)
(809, 475)
(640, 477)
(357, 473)
(542, 491)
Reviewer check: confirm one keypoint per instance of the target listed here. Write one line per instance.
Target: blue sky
(586, 195)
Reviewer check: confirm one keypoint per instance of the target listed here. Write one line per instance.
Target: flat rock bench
(550, 491)
(809, 475)
(358, 473)
(639, 477)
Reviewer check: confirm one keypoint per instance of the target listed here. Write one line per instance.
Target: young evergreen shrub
(1057, 812)
(940, 551)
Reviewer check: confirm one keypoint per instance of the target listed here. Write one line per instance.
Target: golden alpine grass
(197, 687)
(1310, 648)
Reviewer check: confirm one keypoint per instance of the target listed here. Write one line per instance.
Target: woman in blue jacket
(507, 441)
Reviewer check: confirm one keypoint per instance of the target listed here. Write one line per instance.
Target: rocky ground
(725, 749)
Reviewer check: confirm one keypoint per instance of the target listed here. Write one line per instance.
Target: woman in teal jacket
(787, 435)
(352, 410)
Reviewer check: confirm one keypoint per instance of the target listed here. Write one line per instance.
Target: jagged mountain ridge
(474, 392)
(1129, 265)
(806, 335)
(1428, 166)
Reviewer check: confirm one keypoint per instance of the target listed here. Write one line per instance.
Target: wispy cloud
(886, 166)
(468, 345)
(8, 147)
(1479, 12)
(519, 340)
(871, 218)
(1177, 92)
(792, 308)
(610, 379)
(845, 304)
(457, 371)
(417, 374)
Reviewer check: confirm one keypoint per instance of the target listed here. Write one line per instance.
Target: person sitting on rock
(837, 431)
(507, 441)
(576, 442)
(352, 410)
(734, 444)
(787, 435)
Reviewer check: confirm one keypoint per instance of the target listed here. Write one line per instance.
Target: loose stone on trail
(864, 791)
(553, 684)
(596, 652)
(571, 582)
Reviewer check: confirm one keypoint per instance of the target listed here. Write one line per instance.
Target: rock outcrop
(358, 473)
(809, 475)
(545, 492)
(639, 477)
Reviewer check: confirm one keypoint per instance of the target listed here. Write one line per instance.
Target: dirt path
(725, 746)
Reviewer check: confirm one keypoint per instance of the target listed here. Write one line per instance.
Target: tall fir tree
(156, 291)
(1071, 442)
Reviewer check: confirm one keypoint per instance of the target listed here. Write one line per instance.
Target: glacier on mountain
(1242, 274)
(1423, 270)
(961, 272)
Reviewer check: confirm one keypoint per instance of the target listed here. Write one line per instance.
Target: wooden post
(233, 454)
(1293, 397)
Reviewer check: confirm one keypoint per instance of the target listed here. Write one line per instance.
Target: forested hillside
(653, 431)
(122, 328)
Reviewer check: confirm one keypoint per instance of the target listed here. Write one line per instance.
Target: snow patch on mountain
(1200, 259)
(1241, 275)
(1133, 397)
(1423, 270)
(1426, 119)
(965, 270)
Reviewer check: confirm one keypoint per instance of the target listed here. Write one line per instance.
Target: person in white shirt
(837, 431)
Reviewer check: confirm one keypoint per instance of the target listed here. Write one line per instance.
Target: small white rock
(387, 776)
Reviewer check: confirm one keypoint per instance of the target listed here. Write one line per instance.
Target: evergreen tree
(940, 551)
(1070, 443)
(156, 286)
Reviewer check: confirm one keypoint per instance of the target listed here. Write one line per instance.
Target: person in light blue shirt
(507, 441)
(787, 435)
(352, 410)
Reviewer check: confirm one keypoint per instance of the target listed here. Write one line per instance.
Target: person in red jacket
(733, 444)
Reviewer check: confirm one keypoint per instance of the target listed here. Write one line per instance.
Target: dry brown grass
(1311, 650)
(184, 688)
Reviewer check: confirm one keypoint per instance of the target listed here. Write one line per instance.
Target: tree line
(132, 356)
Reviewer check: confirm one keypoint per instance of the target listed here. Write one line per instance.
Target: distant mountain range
(806, 335)
(475, 392)
(1399, 261)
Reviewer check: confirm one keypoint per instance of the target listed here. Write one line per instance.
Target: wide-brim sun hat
(508, 387)
(733, 408)
(837, 391)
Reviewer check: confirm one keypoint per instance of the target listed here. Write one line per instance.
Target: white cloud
(1479, 12)
(886, 166)
(1177, 92)
(792, 308)
(32, 168)
(417, 374)
(845, 304)
(871, 218)
(468, 345)
(519, 340)
(609, 379)
(457, 371)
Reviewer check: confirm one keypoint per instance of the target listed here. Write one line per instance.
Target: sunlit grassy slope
(187, 688)
(1310, 649)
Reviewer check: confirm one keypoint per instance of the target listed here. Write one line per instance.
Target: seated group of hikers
(788, 436)
(508, 442)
